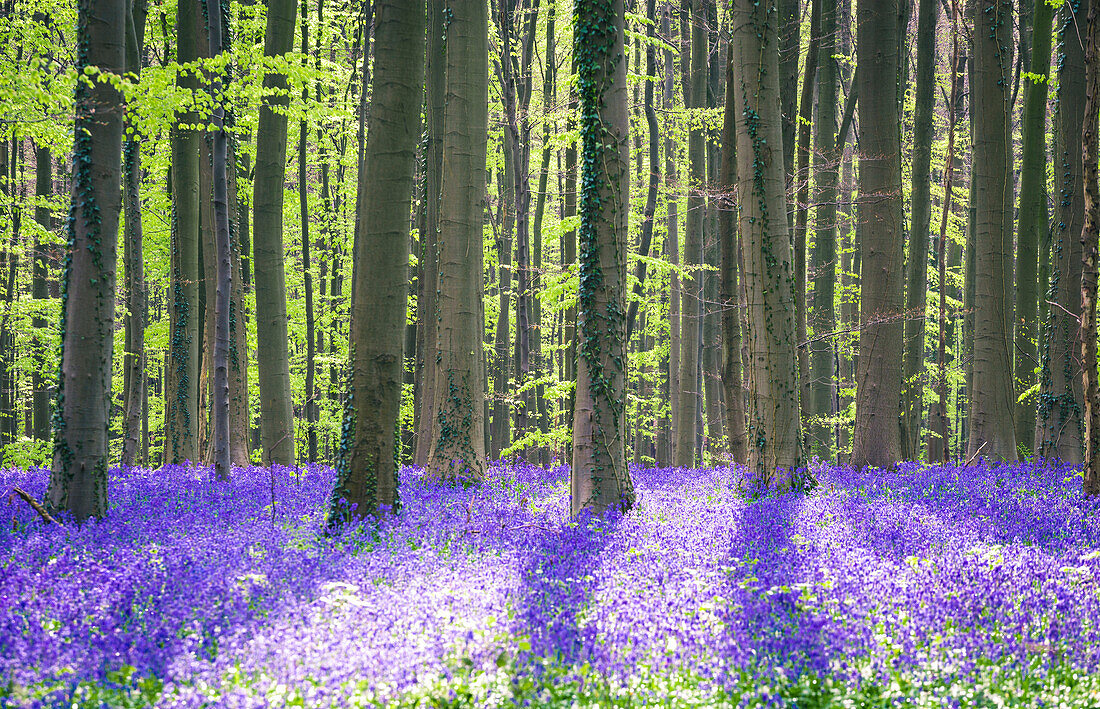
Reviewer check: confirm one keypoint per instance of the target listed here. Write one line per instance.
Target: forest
(461, 353)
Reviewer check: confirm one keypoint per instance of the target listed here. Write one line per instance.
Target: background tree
(877, 436)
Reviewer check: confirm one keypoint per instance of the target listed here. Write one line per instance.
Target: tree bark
(78, 479)
(458, 435)
(369, 453)
(133, 361)
(43, 190)
(599, 479)
(687, 410)
(1033, 219)
(916, 291)
(272, 357)
(877, 435)
(1089, 241)
(775, 440)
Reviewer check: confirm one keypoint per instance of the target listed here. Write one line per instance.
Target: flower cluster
(205, 594)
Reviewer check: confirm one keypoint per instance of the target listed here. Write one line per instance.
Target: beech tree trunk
(1059, 424)
(458, 435)
(1089, 239)
(78, 478)
(1033, 224)
(877, 436)
(599, 478)
(916, 291)
(369, 454)
(310, 404)
(687, 410)
(272, 357)
(43, 190)
(775, 440)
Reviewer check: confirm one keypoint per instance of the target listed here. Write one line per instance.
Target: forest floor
(925, 586)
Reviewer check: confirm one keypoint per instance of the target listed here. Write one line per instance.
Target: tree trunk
(458, 435)
(775, 445)
(1089, 240)
(729, 289)
(672, 248)
(43, 190)
(820, 403)
(790, 41)
(877, 436)
(133, 361)
(307, 263)
(182, 388)
(802, 210)
(272, 357)
(600, 479)
(1059, 423)
(687, 410)
(1033, 219)
(78, 479)
(370, 451)
(916, 292)
(500, 433)
(428, 275)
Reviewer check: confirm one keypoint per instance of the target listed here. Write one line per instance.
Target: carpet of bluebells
(923, 586)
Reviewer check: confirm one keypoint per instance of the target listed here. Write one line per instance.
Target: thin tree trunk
(672, 249)
(370, 451)
(458, 424)
(600, 479)
(802, 211)
(500, 433)
(307, 263)
(916, 292)
(687, 410)
(133, 363)
(272, 357)
(877, 438)
(1089, 239)
(1032, 226)
(729, 289)
(775, 449)
(790, 42)
(78, 479)
(40, 396)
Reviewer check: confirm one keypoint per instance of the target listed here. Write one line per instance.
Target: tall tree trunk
(802, 210)
(428, 274)
(1033, 220)
(272, 357)
(78, 479)
(916, 292)
(687, 411)
(1058, 432)
(458, 435)
(500, 433)
(775, 440)
(238, 325)
(938, 446)
(9, 266)
(307, 264)
(223, 273)
(43, 191)
(182, 388)
(729, 289)
(370, 451)
(672, 248)
(819, 406)
(133, 362)
(992, 404)
(600, 479)
(877, 437)
(790, 42)
(1089, 239)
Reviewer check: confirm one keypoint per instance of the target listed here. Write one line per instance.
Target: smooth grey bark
(877, 436)
(599, 478)
(687, 411)
(775, 440)
(181, 437)
(916, 290)
(369, 453)
(992, 404)
(78, 477)
(272, 356)
(43, 190)
(1059, 422)
(1089, 238)
(458, 423)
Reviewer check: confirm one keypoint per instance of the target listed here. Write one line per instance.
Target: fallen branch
(976, 454)
(35, 506)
